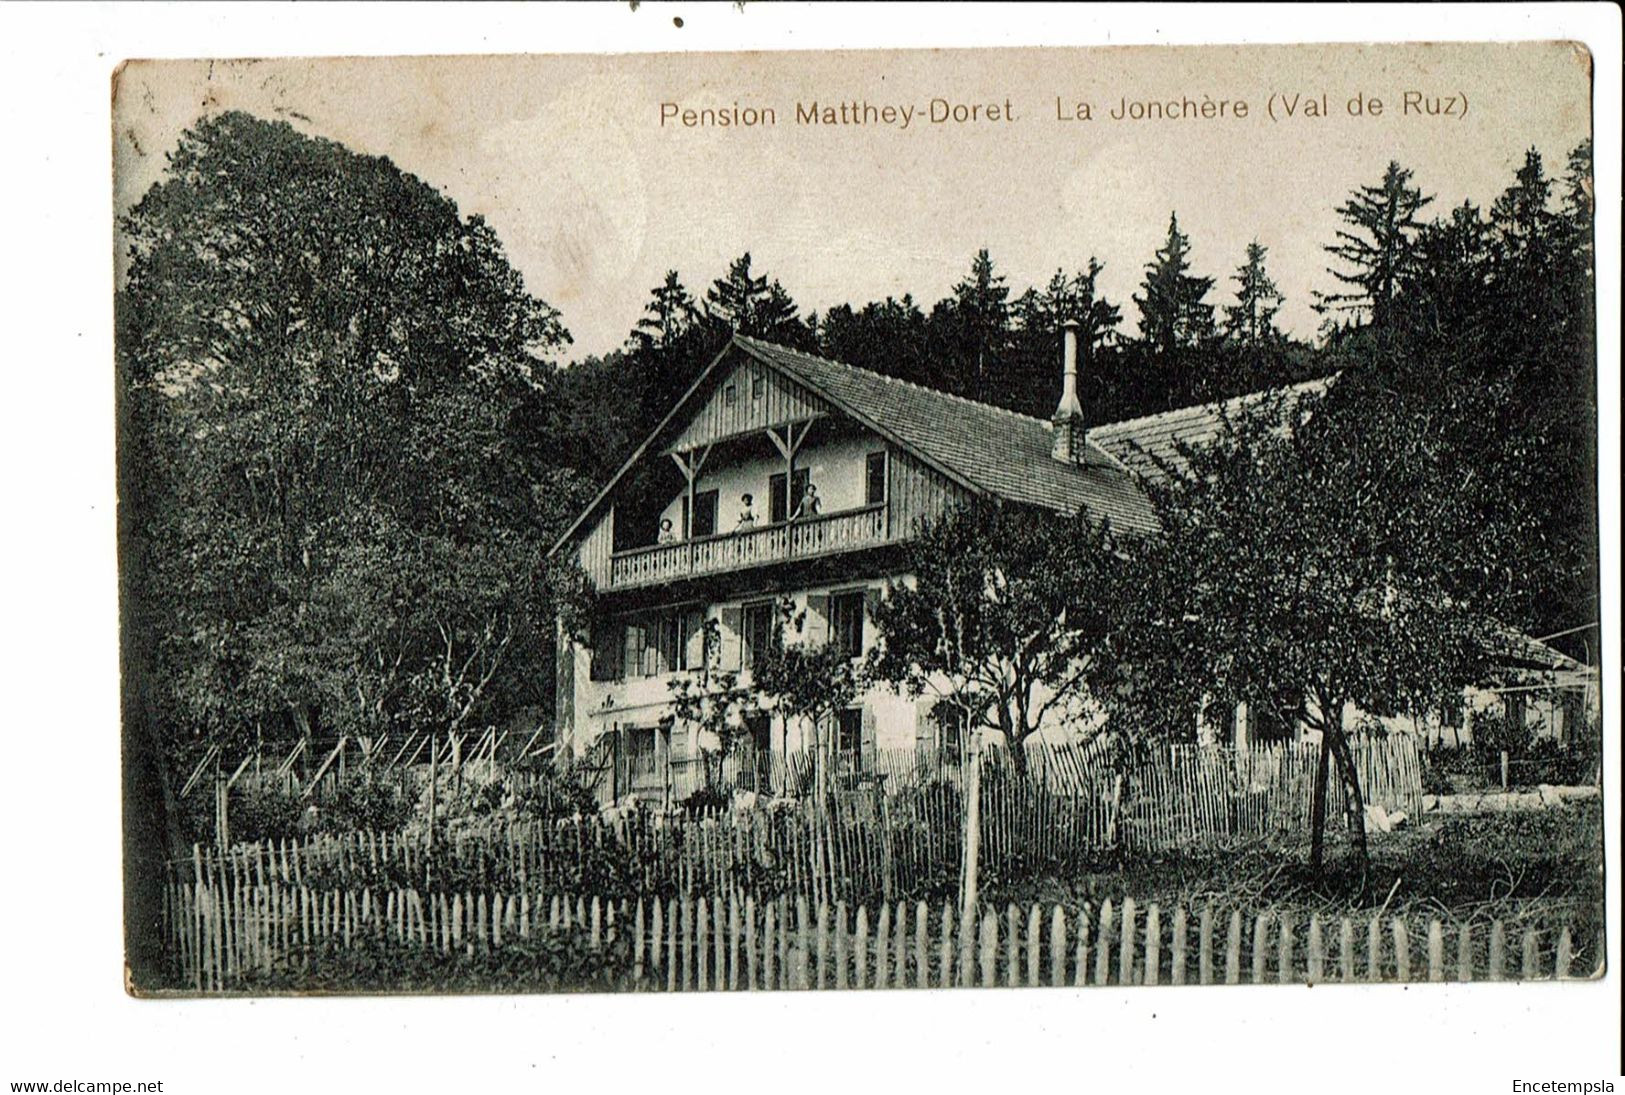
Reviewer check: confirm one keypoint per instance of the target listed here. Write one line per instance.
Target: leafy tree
(1493, 331)
(1251, 320)
(1316, 557)
(809, 681)
(1173, 314)
(1004, 616)
(714, 705)
(1377, 247)
(329, 376)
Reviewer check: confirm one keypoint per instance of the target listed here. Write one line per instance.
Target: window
(756, 384)
(606, 650)
(760, 632)
(642, 753)
(670, 646)
(730, 394)
(705, 514)
(849, 737)
(778, 504)
(846, 622)
(756, 773)
(874, 479)
(951, 737)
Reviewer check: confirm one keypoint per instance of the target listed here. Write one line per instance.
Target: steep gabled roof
(1141, 442)
(990, 450)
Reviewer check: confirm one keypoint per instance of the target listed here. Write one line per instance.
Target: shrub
(558, 960)
(706, 800)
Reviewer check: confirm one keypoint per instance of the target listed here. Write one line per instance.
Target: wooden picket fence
(222, 937)
(868, 843)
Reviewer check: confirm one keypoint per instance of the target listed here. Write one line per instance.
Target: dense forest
(348, 435)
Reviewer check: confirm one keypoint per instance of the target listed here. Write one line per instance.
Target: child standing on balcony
(747, 514)
(809, 503)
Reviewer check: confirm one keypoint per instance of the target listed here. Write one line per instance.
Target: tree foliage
(1003, 616)
(331, 378)
(1316, 558)
(1376, 246)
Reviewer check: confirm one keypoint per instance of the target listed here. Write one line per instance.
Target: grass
(1455, 867)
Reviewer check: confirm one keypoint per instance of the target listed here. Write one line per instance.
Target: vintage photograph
(859, 520)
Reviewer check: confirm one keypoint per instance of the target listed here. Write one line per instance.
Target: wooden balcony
(805, 538)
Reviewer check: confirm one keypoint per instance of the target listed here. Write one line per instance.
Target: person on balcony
(808, 506)
(667, 536)
(747, 513)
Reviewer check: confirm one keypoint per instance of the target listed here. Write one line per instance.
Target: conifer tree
(1173, 314)
(1377, 247)
(1251, 320)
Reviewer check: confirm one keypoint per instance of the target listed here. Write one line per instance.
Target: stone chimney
(1067, 441)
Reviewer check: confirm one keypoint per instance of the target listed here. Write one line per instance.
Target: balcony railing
(802, 538)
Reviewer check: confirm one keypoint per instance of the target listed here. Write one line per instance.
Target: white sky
(594, 200)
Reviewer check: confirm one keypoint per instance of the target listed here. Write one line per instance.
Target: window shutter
(632, 652)
(693, 640)
(866, 760)
(925, 732)
(871, 598)
(816, 628)
(731, 618)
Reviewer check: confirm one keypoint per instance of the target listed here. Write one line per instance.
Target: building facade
(781, 477)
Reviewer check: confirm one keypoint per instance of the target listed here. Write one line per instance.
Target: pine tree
(1173, 315)
(754, 306)
(978, 320)
(668, 315)
(1378, 247)
(733, 298)
(1251, 320)
(1038, 319)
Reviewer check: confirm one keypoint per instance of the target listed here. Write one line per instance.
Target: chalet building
(782, 474)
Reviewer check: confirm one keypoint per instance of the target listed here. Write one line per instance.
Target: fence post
(702, 932)
(1125, 958)
(1565, 955)
(1435, 951)
(1153, 944)
(1232, 950)
(1057, 947)
(1373, 950)
(1261, 930)
(1285, 975)
(1103, 944)
(1317, 951)
(1498, 951)
(1176, 974)
(1035, 927)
